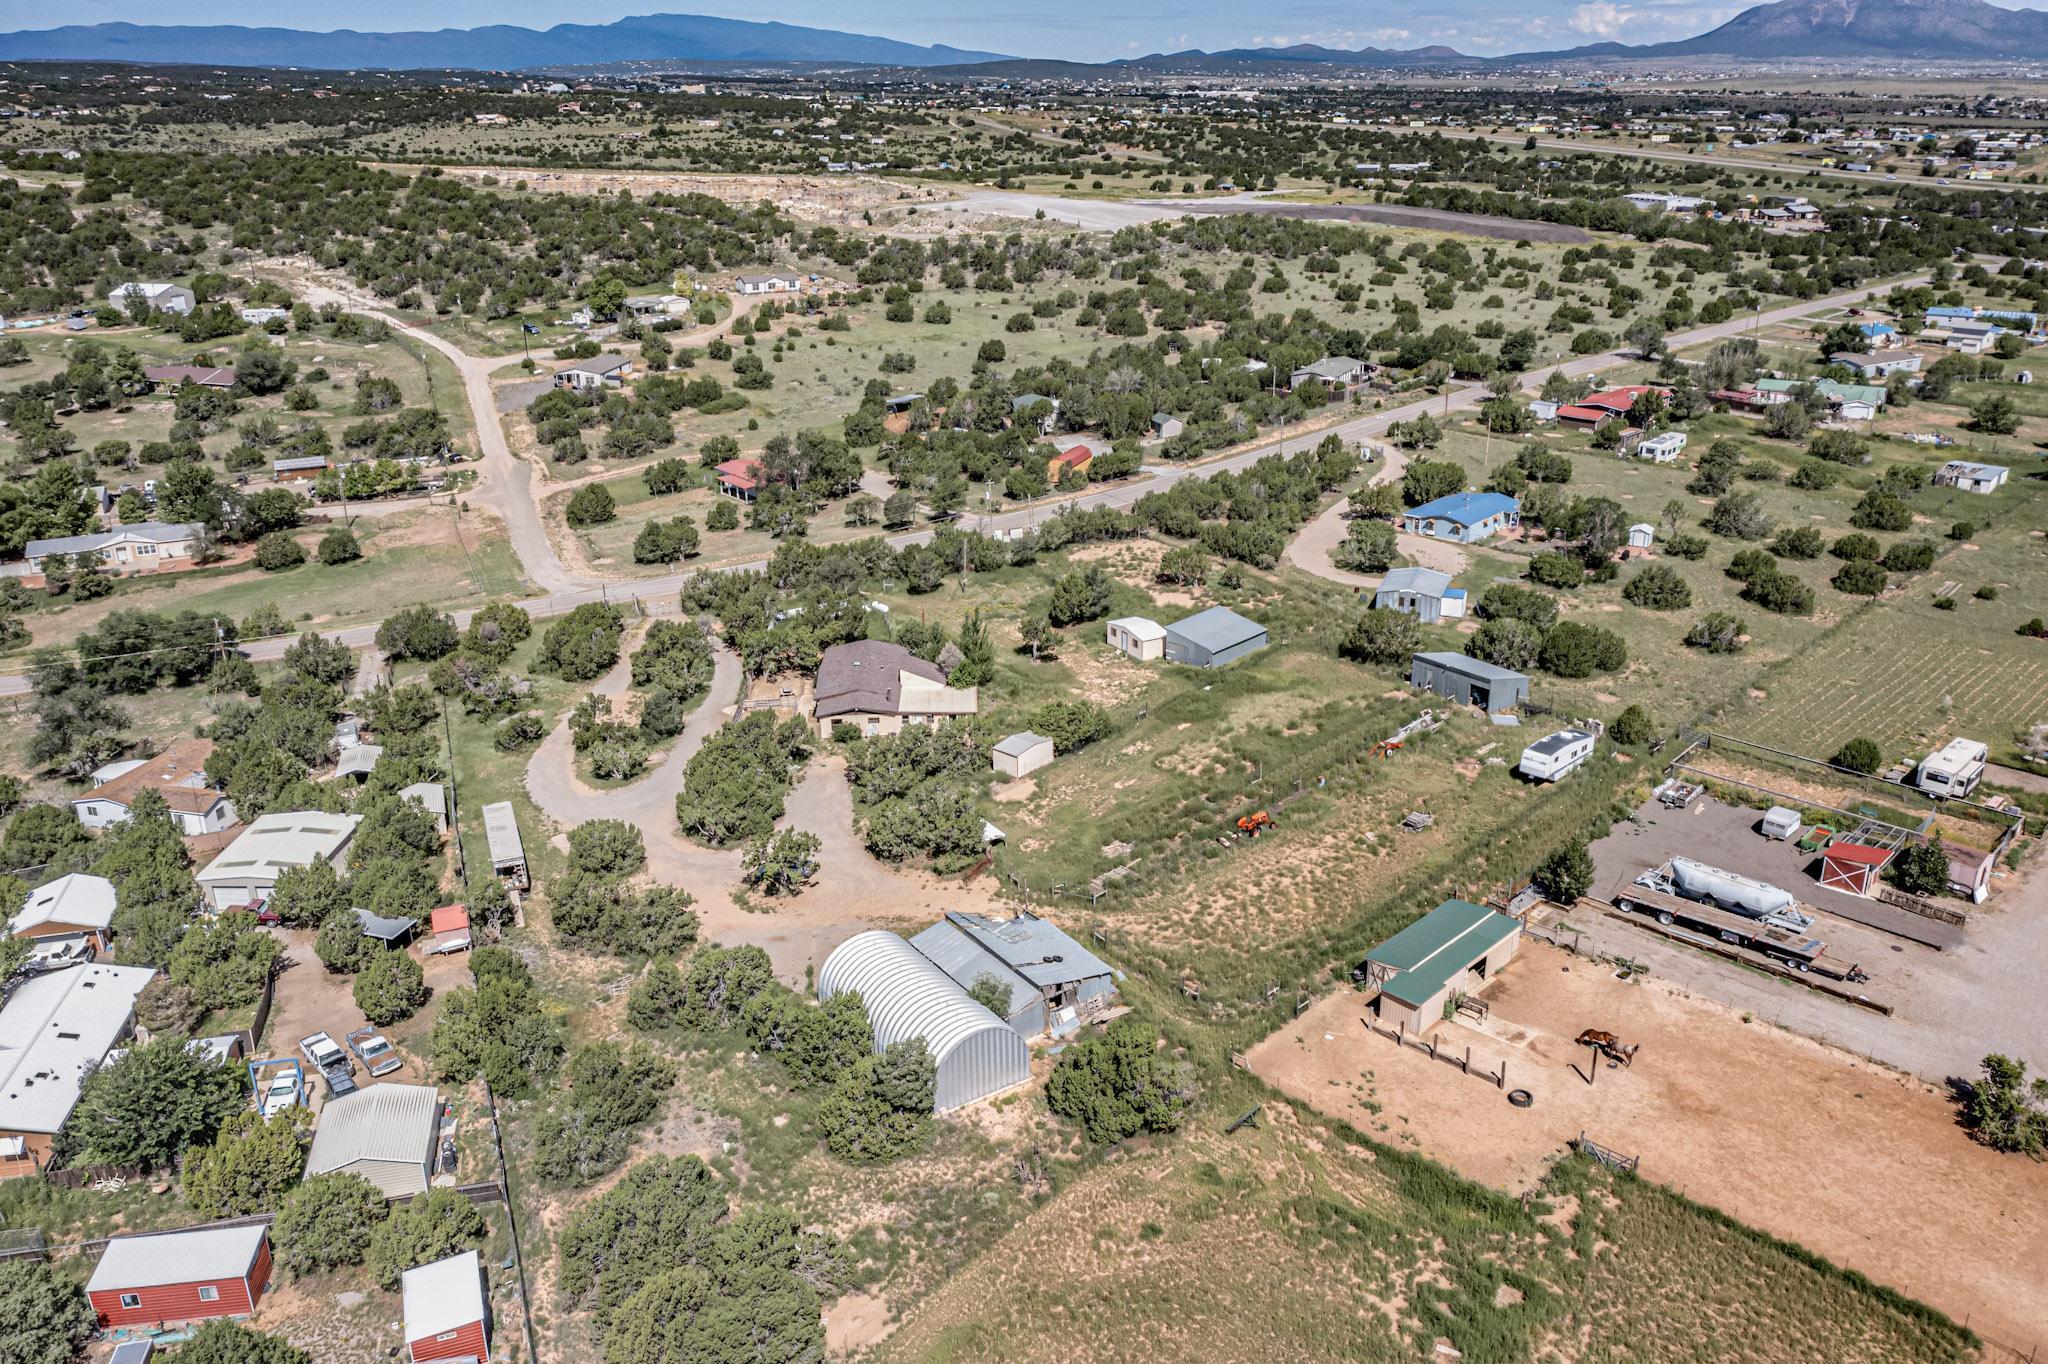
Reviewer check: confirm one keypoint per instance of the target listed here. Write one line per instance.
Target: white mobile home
(1554, 755)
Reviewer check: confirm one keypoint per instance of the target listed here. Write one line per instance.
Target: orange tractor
(1251, 826)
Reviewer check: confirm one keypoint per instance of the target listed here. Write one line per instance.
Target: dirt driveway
(1856, 1162)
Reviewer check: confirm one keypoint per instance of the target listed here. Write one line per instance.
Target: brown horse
(1609, 1045)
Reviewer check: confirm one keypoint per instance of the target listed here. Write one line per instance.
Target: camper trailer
(1954, 769)
(1554, 755)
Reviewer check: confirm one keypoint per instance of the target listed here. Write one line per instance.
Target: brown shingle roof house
(882, 686)
(178, 774)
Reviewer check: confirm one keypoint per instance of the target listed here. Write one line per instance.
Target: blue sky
(1085, 30)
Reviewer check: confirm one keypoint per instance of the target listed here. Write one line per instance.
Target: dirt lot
(837, 200)
(1801, 1140)
(1400, 215)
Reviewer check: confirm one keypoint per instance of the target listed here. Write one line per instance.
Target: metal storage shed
(1469, 681)
(385, 1133)
(907, 996)
(1418, 591)
(1022, 754)
(1046, 969)
(1212, 638)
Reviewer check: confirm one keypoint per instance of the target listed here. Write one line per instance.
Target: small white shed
(1642, 535)
(1142, 639)
(1022, 754)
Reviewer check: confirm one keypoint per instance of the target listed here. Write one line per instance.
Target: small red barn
(177, 1276)
(1852, 867)
(446, 1316)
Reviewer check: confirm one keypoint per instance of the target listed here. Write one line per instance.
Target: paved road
(563, 590)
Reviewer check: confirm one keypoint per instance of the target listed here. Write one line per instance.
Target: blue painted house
(1464, 517)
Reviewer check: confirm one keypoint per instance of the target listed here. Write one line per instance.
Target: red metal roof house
(446, 1316)
(1595, 408)
(740, 478)
(1852, 867)
(181, 1276)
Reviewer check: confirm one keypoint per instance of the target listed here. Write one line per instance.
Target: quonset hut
(907, 996)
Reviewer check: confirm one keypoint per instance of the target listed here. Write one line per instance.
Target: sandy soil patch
(1854, 1153)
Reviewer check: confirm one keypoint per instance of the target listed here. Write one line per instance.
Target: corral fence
(1612, 1159)
(1458, 1059)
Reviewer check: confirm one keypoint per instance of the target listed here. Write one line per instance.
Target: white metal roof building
(907, 996)
(444, 1296)
(385, 1133)
(501, 837)
(177, 1257)
(74, 901)
(248, 868)
(56, 1028)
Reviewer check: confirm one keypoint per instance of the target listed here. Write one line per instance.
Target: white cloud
(1337, 37)
(1601, 18)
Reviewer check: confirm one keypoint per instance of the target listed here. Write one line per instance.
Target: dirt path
(1806, 1142)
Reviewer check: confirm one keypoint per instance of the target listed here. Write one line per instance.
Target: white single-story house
(63, 1024)
(657, 305)
(138, 548)
(247, 869)
(774, 282)
(1166, 426)
(1022, 754)
(164, 298)
(1970, 477)
(1142, 639)
(1878, 364)
(599, 371)
(178, 774)
(1338, 373)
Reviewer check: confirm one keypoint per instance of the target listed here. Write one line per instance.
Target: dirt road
(511, 498)
(1808, 1143)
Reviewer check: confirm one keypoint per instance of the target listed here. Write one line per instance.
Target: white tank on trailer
(1698, 881)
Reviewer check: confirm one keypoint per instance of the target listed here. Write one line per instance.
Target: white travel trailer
(1554, 755)
(1954, 769)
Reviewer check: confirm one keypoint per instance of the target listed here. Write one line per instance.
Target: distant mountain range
(500, 47)
(1848, 30)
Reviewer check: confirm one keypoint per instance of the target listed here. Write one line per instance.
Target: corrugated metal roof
(1466, 508)
(390, 1123)
(1216, 629)
(1036, 948)
(442, 1296)
(966, 961)
(1020, 743)
(176, 1257)
(1427, 582)
(277, 841)
(907, 996)
(1429, 952)
(1471, 667)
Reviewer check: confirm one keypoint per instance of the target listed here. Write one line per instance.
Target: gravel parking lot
(1951, 1007)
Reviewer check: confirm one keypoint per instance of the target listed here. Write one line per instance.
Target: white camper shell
(1552, 756)
(1954, 769)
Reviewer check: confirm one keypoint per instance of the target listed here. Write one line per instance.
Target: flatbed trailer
(1795, 950)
